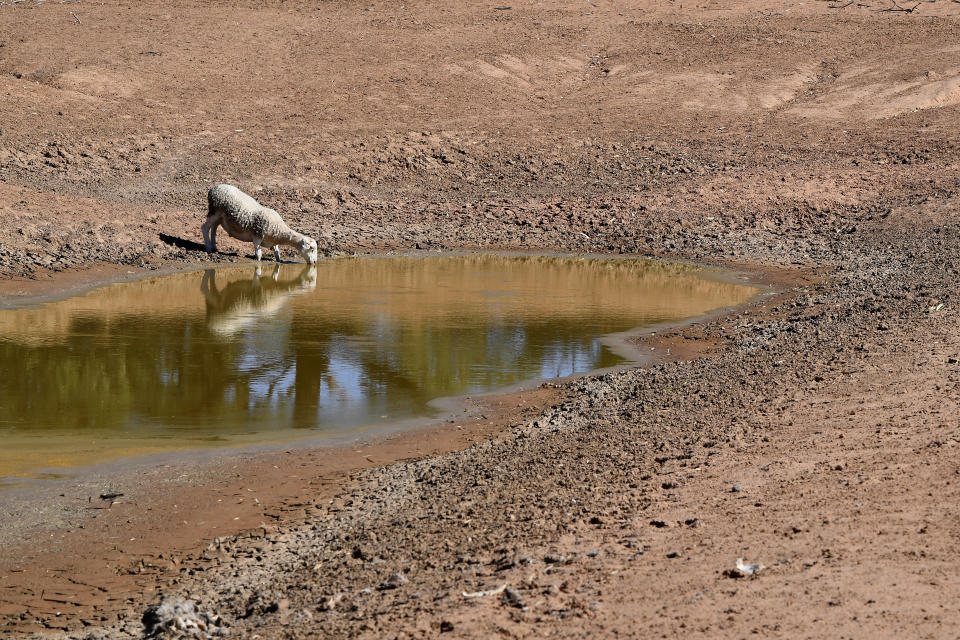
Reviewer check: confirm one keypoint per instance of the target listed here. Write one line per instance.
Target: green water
(245, 355)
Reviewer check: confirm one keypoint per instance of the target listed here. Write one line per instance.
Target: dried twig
(75, 17)
(87, 584)
(897, 7)
(483, 594)
(61, 601)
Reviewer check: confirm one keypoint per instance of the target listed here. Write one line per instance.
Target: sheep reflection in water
(240, 303)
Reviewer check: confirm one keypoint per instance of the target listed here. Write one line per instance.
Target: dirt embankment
(818, 439)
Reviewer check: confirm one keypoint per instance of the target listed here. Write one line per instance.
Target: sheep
(244, 218)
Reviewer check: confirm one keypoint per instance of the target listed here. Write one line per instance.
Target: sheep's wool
(247, 212)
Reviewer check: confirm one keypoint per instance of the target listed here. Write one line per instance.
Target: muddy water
(249, 355)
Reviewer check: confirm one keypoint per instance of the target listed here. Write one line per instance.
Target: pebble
(393, 582)
(512, 597)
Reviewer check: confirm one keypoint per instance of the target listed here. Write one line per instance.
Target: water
(248, 355)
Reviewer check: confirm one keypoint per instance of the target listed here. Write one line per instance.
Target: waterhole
(248, 355)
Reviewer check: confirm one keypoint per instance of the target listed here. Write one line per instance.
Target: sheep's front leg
(276, 252)
(257, 241)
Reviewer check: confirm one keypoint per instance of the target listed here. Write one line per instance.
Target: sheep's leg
(205, 282)
(210, 232)
(276, 272)
(276, 252)
(209, 288)
(257, 241)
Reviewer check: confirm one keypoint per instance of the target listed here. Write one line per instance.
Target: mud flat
(816, 435)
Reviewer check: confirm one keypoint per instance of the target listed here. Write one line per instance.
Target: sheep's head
(308, 248)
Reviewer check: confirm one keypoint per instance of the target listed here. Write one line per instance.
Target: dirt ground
(815, 432)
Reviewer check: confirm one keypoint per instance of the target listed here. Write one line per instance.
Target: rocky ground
(814, 435)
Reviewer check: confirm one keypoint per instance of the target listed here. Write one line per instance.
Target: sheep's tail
(210, 204)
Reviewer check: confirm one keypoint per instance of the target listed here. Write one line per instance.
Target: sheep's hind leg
(209, 230)
(276, 252)
(256, 247)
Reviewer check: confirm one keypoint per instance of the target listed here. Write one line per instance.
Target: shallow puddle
(250, 355)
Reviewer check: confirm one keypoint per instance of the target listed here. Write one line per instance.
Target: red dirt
(815, 136)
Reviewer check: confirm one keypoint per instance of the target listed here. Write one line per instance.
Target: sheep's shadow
(191, 245)
(182, 243)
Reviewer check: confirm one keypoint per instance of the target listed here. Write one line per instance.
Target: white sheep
(245, 219)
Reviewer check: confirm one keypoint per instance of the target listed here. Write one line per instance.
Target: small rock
(743, 569)
(393, 582)
(554, 558)
(736, 489)
(445, 626)
(330, 603)
(512, 597)
(180, 617)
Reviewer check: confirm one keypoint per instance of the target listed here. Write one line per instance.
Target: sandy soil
(814, 433)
